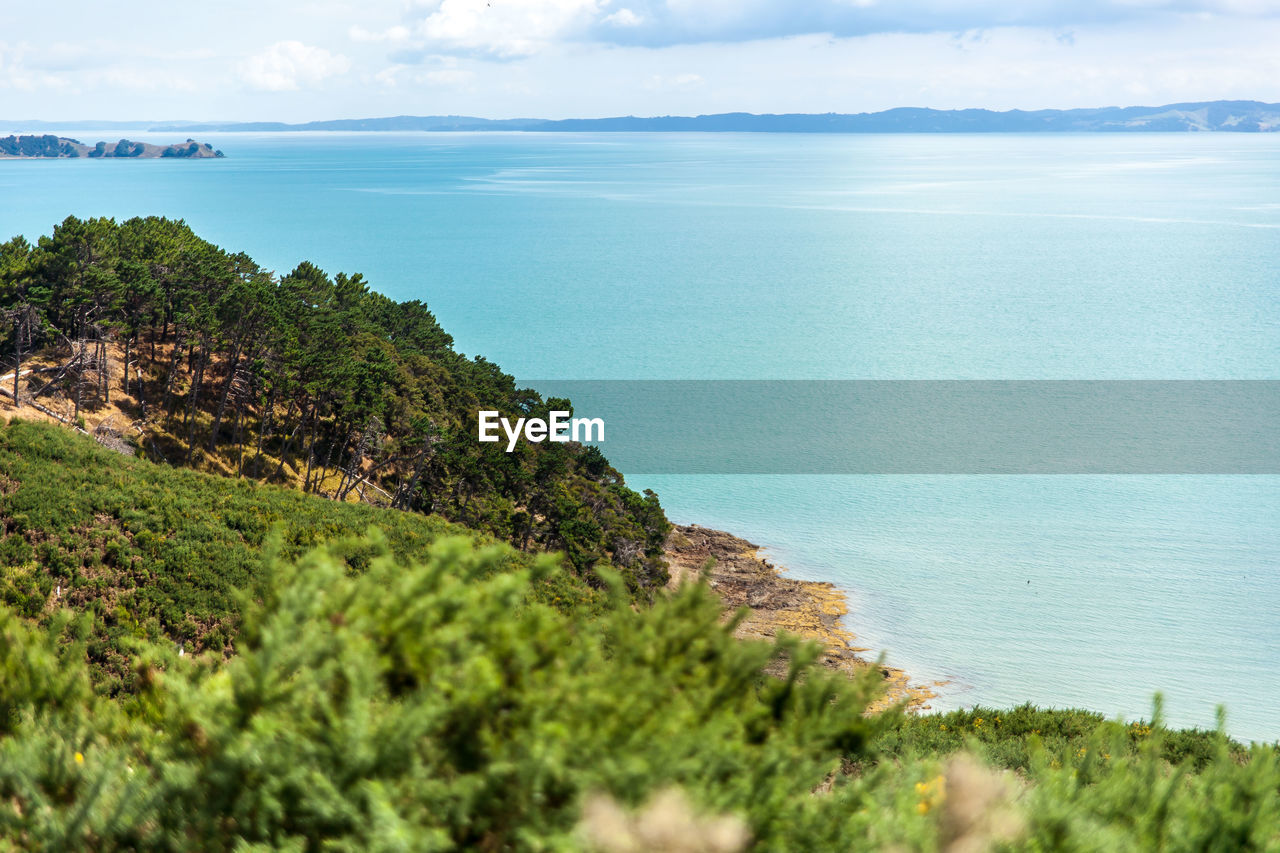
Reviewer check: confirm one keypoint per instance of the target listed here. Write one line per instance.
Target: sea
(785, 257)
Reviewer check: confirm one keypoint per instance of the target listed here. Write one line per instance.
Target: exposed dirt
(810, 609)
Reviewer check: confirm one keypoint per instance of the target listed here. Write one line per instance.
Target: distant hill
(30, 125)
(1233, 116)
(54, 147)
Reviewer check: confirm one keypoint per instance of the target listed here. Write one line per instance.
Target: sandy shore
(809, 608)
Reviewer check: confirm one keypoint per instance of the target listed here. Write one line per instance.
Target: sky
(289, 60)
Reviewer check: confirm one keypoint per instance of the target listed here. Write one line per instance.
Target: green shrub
(103, 532)
(435, 706)
(1011, 737)
(432, 706)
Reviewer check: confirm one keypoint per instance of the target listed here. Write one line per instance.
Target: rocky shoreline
(811, 609)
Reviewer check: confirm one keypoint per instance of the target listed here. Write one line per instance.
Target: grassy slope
(153, 551)
(158, 552)
(1011, 737)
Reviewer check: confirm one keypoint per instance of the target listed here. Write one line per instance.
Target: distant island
(1229, 116)
(50, 147)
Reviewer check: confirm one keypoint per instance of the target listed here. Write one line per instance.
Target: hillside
(48, 147)
(167, 346)
(155, 553)
(1227, 116)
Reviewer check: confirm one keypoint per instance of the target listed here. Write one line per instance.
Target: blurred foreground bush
(437, 707)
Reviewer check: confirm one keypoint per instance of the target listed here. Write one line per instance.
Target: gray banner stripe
(932, 427)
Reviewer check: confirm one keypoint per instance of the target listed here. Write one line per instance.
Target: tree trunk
(311, 451)
(324, 469)
(79, 385)
(265, 426)
(288, 443)
(168, 403)
(222, 402)
(351, 473)
(194, 403)
(237, 439)
(104, 372)
(127, 341)
(17, 360)
(404, 495)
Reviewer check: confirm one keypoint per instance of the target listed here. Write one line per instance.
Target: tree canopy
(306, 379)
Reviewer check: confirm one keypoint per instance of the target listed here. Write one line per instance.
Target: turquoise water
(864, 257)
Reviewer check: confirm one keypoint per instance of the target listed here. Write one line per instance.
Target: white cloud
(560, 58)
(659, 82)
(448, 77)
(15, 73)
(623, 18)
(504, 28)
(138, 79)
(390, 34)
(287, 66)
(669, 22)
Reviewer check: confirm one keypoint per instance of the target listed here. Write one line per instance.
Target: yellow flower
(79, 758)
(931, 793)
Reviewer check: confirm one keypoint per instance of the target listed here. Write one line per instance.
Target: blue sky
(295, 61)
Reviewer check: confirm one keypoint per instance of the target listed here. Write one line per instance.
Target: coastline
(811, 609)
